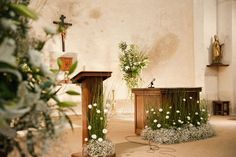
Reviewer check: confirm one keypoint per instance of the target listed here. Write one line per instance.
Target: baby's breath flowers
(172, 122)
(97, 143)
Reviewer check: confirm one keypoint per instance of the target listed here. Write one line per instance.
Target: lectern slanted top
(83, 75)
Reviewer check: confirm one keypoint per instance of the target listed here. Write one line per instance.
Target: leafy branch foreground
(26, 85)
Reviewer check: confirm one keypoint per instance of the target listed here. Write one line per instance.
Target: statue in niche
(217, 50)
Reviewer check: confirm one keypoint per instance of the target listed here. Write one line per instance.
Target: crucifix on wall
(62, 28)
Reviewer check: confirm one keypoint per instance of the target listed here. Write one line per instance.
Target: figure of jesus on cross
(62, 29)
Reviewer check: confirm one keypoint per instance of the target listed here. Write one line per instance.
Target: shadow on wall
(162, 49)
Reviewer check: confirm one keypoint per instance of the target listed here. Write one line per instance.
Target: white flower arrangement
(173, 135)
(97, 143)
(132, 61)
(171, 124)
(99, 148)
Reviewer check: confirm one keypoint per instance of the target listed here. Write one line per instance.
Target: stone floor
(121, 132)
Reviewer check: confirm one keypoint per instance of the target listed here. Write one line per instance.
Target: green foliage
(97, 122)
(132, 61)
(72, 68)
(97, 115)
(177, 116)
(71, 92)
(24, 11)
(26, 85)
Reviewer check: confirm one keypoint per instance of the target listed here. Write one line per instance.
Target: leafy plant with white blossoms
(132, 62)
(98, 144)
(170, 124)
(26, 85)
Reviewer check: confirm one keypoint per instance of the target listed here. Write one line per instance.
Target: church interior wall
(176, 35)
(225, 31)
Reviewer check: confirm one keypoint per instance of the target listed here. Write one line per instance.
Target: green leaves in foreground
(24, 10)
(72, 68)
(66, 104)
(72, 92)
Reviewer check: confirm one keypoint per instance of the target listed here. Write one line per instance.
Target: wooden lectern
(92, 87)
(158, 96)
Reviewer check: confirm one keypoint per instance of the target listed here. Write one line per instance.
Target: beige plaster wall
(234, 55)
(226, 29)
(215, 17)
(162, 28)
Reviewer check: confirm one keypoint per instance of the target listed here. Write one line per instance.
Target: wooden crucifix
(62, 28)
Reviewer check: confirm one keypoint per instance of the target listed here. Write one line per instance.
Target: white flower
(98, 111)
(85, 139)
(179, 128)
(191, 124)
(45, 70)
(127, 67)
(160, 110)
(154, 112)
(50, 30)
(201, 118)
(174, 123)
(146, 126)
(177, 111)
(94, 136)
(188, 118)
(104, 131)
(167, 112)
(190, 97)
(167, 117)
(101, 118)
(198, 123)
(7, 49)
(147, 111)
(100, 139)
(198, 101)
(89, 127)
(108, 105)
(35, 58)
(95, 104)
(184, 99)
(155, 121)
(203, 110)
(105, 110)
(180, 121)
(196, 113)
(158, 125)
(90, 106)
(8, 24)
(152, 109)
(170, 107)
